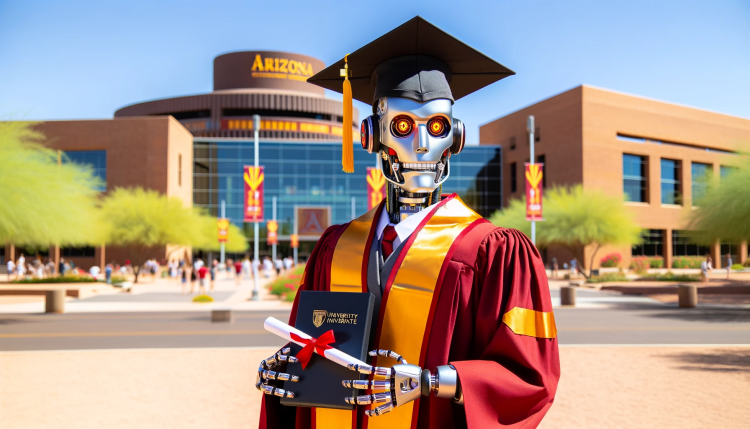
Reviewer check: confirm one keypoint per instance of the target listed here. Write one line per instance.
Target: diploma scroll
(275, 326)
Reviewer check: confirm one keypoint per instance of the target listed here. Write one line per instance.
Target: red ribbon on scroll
(318, 345)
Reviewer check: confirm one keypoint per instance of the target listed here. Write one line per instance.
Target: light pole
(256, 231)
(223, 216)
(530, 129)
(273, 251)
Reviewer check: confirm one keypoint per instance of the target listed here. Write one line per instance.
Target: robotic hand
(270, 369)
(402, 383)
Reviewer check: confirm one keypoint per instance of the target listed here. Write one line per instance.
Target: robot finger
(365, 384)
(379, 411)
(367, 369)
(275, 391)
(273, 375)
(377, 398)
(388, 353)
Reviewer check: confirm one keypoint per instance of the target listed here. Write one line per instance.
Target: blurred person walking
(214, 267)
(194, 273)
(202, 279)
(11, 269)
(183, 279)
(108, 273)
(279, 265)
(229, 268)
(554, 267)
(61, 267)
(573, 267)
(237, 272)
(729, 264)
(705, 268)
(94, 271)
(267, 267)
(246, 267)
(288, 262)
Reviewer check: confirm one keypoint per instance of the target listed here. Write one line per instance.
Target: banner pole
(273, 251)
(256, 231)
(530, 127)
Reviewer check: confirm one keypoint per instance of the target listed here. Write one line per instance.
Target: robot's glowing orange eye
(437, 126)
(402, 126)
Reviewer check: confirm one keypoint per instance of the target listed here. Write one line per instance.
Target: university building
(195, 147)
(651, 154)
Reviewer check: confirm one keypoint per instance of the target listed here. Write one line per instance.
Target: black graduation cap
(416, 60)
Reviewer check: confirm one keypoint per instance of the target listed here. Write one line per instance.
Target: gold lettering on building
(281, 68)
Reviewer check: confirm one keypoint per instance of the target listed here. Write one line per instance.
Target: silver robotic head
(416, 141)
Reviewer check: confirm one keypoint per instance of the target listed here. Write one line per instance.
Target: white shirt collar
(404, 228)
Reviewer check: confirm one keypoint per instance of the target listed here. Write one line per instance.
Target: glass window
(295, 178)
(670, 182)
(513, 178)
(682, 245)
(726, 170)
(634, 178)
(700, 174)
(653, 243)
(96, 159)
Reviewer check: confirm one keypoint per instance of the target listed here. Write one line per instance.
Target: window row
(635, 179)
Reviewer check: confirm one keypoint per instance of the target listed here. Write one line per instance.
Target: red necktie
(389, 236)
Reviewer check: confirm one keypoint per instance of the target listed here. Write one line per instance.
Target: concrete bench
(54, 298)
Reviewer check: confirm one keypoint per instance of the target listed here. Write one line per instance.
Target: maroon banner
(253, 193)
(534, 174)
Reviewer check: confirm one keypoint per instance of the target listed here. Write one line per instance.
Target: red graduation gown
(508, 380)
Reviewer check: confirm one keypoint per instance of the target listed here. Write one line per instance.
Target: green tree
(575, 219)
(144, 220)
(724, 210)
(236, 241)
(42, 202)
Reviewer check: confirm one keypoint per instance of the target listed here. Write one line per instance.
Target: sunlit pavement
(626, 361)
(164, 295)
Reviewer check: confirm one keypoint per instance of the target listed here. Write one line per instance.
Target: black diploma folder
(349, 315)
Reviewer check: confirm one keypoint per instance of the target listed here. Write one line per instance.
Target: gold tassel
(347, 150)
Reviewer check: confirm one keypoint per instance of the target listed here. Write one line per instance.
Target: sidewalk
(600, 387)
(163, 295)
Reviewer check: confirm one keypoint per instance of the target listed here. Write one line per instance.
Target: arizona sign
(534, 174)
(253, 194)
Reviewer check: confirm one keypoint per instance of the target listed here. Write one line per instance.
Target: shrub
(566, 277)
(746, 263)
(611, 260)
(203, 298)
(639, 264)
(737, 266)
(687, 262)
(118, 279)
(671, 277)
(63, 279)
(287, 285)
(608, 277)
(656, 262)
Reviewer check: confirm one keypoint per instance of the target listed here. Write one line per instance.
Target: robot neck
(401, 204)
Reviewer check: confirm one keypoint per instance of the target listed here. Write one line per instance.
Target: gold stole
(408, 301)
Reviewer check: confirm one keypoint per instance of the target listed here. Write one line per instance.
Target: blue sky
(77, 59)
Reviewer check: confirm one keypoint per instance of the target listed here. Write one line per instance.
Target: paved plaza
(152, 358)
